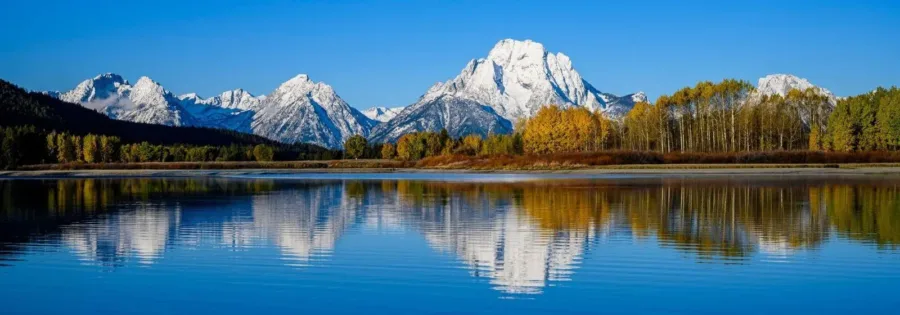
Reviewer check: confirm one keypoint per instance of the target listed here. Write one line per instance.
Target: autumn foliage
(610, 158)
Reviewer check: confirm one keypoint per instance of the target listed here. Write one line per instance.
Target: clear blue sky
(390, 52)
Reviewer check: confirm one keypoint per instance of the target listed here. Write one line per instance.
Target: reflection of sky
(242, 256)
(402, 272)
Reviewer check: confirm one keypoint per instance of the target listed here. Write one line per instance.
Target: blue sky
(390, 52)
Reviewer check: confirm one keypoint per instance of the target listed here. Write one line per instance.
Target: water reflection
(141, 232)
(520, 236)
(304, 221)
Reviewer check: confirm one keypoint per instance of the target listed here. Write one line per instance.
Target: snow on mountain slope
(146, 101)
(382, 114)
(230, 110)
(101, 87)
(234, 99)
(153, 105)
(458, 115)
(515, 80)
(519, 77)
(301, 110)
(781, 84)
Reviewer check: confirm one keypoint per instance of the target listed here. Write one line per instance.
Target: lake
(450, 243)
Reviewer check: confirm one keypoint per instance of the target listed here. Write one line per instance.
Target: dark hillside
(19, 107)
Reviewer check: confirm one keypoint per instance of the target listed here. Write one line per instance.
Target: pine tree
(108, 148)
(888, 119)
(7, 147)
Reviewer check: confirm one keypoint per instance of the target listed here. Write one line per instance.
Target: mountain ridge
(320, 116)
(514, 80)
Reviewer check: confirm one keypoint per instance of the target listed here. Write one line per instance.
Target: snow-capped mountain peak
(509, 51)
(382, 114)
(781, 84)
(302, 87)
(237, 99)
(149, 102)
(148, 92)
(519, 77)
(639, 97)
(110, 77)
(301, 110)
(190, 96)
(100, 87)
(514, 81)
(299, 82)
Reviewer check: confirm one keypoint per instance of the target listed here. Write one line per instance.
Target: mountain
(232, 110)
(301, 110)
(297, 111)
(42, 110)
(145, 102)
(781, 84)
(101, 87)
(382, 114)
(235, 99)
(458, 115)
(515, 80)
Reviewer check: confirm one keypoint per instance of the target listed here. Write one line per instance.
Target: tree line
(23, 145)
(866, 122)
(418, 145)
(724, 117)
(19, 107)
(728, 117)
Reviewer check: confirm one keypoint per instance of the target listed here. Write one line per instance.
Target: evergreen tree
(7, 145)
(108, 147)
(888, 119)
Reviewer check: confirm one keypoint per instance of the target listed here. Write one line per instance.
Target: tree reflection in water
(520, 235)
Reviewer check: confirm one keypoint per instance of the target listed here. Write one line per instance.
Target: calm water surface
(438, 243)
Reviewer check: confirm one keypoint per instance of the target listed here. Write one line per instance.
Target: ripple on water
(456, 243)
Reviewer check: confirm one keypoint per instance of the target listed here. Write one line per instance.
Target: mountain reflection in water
(521, 236)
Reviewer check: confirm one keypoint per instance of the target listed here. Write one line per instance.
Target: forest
(38, 129)
(723, 122)
(706, 122)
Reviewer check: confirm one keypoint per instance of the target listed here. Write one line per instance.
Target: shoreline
(684, 170)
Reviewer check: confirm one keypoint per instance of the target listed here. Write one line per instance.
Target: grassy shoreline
(242, 168)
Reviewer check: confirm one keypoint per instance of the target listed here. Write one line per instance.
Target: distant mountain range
(382, 114)
(19, 107)
(299, 110)
(512, 82)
